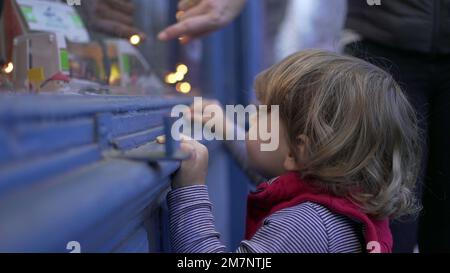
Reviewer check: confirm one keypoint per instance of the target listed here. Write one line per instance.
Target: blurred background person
(113, 17)
(125, 18)
(310, 24)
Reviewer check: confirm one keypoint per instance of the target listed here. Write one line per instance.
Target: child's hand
(203, 117)
(193, 170)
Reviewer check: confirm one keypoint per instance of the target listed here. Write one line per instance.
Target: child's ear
(290, 162)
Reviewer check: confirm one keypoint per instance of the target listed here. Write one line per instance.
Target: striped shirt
(305, 228)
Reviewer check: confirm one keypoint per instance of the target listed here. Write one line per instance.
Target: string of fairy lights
(177, 78)
(8, 68)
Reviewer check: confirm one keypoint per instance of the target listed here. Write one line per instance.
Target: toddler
(346, 164)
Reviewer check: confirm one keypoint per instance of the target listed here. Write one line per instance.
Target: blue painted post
(171, 145)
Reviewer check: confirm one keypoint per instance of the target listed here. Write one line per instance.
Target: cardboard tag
(36, 76)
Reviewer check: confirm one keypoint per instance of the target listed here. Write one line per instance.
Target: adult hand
(197, 18)
(113, 17)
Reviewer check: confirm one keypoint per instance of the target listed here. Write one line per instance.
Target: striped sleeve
(306, 228)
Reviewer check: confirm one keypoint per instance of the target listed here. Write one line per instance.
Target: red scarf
(290, 190)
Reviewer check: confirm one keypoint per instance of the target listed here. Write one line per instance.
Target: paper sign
(36, 75)
(57, 17)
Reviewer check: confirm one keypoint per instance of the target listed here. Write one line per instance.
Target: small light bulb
(184, 87)
(179, 76)
(135, 40)
(9, 68)
(171, 78)
(183, 69)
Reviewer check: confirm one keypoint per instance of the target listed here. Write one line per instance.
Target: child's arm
(296, 230)
(192, 223)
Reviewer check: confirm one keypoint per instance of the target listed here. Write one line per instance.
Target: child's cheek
(253, 143)
(254, 155)
(268, 164)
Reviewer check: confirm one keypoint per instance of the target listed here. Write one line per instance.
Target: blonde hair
(363, 140)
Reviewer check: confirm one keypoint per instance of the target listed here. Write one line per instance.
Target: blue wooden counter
(56, 186)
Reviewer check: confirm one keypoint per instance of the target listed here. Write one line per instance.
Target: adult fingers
(184, 5)
(189, 27)
(125, 6)
(104, 11)
(197, 10)
(115, 28)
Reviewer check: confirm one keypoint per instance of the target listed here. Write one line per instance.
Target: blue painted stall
(57, 184)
